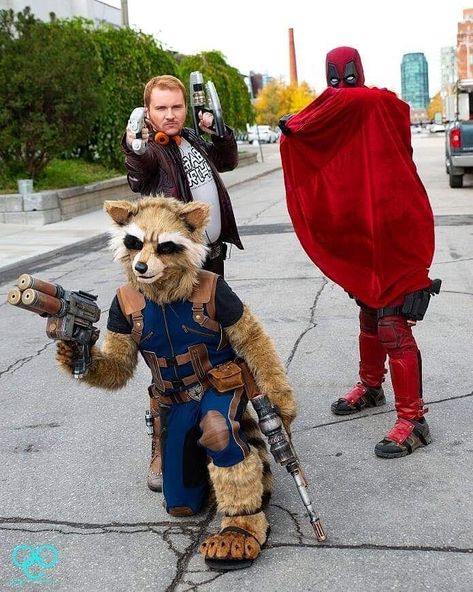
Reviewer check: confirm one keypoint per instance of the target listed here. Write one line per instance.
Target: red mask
(344, 68)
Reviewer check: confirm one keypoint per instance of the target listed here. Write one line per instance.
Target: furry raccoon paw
(231, 543)
(287, 416)
(65, 353)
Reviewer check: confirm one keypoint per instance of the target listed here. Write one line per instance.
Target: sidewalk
(25, 243)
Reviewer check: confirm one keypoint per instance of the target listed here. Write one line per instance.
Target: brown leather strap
(177, 398)
(186, 381)
(200, 360)
(251, 387)
(204, 293)
(199, 316)
(132, 302)
(178, 360)
(152, 361)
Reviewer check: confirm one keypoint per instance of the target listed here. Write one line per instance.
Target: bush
(49, 90)
(129, 60)
(229, 83)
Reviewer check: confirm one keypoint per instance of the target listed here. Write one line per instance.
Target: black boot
(406, 436)
(358, 398)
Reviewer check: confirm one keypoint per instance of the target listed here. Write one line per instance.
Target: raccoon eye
(168, 248)
(132, 243)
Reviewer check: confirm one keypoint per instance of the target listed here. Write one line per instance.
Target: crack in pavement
(454, 261)
(261, 212)
(191, 529)
(456, 292)
(194, 586)
(15, 522)
(183, 558)
(358, 417)
(12, 368)
(373, 547)
(310, 326)
(293, 516)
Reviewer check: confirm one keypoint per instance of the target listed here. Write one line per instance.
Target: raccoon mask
(158, 239)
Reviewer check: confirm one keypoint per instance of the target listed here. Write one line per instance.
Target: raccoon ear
(120, 210)
(195, 214)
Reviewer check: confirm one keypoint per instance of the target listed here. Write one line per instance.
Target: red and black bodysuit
(363, 216)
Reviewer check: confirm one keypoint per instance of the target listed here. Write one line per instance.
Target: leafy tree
(435, 106)
(229, 83)
(129, 59)
(49, 93)
(277, 99)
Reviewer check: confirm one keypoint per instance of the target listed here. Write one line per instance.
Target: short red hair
(163, 82)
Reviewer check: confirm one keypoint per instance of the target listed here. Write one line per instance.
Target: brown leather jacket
(160, 171)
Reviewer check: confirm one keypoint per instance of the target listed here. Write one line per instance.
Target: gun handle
(82, 361)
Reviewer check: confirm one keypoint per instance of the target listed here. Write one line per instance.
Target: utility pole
(124, 11)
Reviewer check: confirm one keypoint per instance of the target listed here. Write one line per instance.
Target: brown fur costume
(242, 489)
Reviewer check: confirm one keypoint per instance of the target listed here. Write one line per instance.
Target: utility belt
(415, 304)
(225, 377)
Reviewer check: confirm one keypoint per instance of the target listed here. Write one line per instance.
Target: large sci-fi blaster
(204, 98)
(280, 445)
(71, 315)
(283, 451)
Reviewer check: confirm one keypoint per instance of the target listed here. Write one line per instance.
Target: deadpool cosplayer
(363, 216)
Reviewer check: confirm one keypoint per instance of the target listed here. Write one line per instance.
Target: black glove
(282, 124)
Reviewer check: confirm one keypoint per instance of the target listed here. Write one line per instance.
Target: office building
(415, 80)
(465, 45)
(448, 68)
(94, 10)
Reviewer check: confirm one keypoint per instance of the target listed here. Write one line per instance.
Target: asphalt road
(73, 459)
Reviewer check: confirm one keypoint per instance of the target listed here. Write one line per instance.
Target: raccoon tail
(250, 427)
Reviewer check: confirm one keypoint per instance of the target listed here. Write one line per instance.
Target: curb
(41, 261)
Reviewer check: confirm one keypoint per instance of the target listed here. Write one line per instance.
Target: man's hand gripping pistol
(70, 315)
(137, 132)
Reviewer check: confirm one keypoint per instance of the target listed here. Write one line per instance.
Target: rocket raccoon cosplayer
(189, 326)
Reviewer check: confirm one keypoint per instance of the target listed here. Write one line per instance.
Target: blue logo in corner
(34, 560)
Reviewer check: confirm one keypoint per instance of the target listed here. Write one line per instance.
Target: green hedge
(67, 89)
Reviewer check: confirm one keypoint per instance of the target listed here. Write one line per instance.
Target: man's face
(167, 110)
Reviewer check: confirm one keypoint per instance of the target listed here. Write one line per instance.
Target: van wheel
(456, 180)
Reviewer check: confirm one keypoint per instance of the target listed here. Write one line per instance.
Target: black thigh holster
(415, 304)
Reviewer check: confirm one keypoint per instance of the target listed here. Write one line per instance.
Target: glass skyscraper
(415, 80)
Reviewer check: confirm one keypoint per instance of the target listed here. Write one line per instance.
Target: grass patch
(64, 173)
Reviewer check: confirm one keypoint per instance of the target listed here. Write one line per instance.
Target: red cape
(356, 202)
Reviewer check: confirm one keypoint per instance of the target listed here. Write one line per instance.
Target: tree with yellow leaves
(435, 106)
(277, 99)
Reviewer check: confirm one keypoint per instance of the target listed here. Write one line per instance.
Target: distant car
(437, 128)
(264, 134)
(416, 129)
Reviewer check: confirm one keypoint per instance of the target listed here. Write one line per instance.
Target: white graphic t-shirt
(202, 186)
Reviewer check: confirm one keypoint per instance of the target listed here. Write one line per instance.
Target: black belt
(389, 311)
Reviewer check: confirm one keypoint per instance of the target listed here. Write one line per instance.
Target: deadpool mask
(344, 68)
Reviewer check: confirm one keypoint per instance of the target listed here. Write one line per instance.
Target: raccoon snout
(141, 267)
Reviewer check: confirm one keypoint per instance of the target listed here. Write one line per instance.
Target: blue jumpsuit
(170, 331)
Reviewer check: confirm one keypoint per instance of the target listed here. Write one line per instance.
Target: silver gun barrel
(314, 519)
